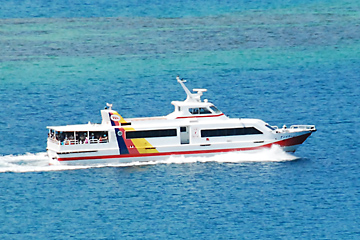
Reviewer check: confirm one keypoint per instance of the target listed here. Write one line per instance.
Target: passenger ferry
(195, 128)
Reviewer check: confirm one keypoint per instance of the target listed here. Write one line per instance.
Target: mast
(191, 97)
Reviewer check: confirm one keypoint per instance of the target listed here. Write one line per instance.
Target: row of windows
(204, 133)
(101, 136)
(229, 132)
(70, 138)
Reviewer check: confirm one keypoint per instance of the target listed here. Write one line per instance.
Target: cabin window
(98, 137)
(199, 111)
(151, 133)
(81, 137)
(53, 135)
(229, 132)
(66, 138)
(215, 109)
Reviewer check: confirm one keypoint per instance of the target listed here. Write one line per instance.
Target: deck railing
(77, 142)
(303, 127)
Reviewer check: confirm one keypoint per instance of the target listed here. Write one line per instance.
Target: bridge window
(215, 109)
(194, 110)
(199, 111)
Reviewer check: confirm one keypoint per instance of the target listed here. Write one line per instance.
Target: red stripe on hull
(283, 143)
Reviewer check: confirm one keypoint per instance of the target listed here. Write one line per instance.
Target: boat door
(184, 135)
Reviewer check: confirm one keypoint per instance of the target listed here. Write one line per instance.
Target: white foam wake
(274, 154)
(39, 162)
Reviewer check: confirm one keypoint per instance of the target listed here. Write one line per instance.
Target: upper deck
(188, 112)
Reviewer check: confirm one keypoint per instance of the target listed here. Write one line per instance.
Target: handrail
(77, 142)
(303, 127)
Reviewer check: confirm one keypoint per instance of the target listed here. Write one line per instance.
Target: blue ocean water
(286, 62)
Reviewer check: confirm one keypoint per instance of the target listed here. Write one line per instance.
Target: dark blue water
(284, 62)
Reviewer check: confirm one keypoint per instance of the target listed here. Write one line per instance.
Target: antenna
(182, 81)
(196, 97)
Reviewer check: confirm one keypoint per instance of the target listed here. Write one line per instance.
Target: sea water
(284, 62)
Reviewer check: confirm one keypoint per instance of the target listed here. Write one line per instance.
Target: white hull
(86, 157)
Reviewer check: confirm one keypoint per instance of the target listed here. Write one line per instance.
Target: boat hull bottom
(290, 149)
